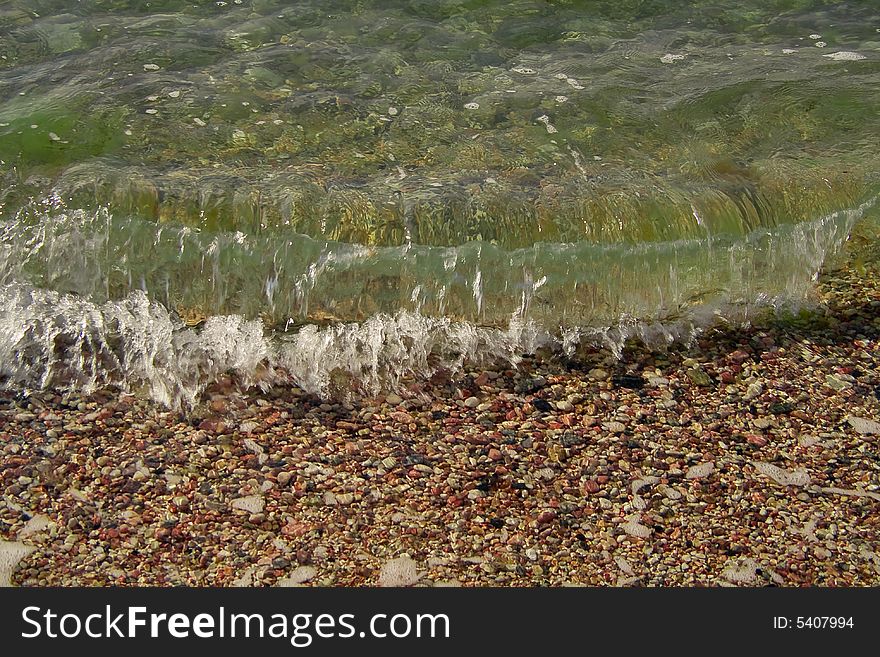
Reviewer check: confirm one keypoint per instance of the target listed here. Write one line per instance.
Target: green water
(314, 161)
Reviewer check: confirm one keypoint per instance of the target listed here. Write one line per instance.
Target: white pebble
(151, 67)
(624, 565)
(10, 554)
(636, 529)
(669, 58)
(199, 122)
(821, 44)
(298, 576)
(35, 525)
(152, 111)
(844, 56)
(699, 471)
(782, 476)
(392, 111)
(472, 106)
(742, 571)
(864, 426)
(173, 94)
(399, 572)
(251, 504)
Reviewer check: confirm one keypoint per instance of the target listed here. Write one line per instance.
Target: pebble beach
(749, 458)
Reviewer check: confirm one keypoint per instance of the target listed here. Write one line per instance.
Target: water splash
(291, 278)
(81, 342)
(64, 342)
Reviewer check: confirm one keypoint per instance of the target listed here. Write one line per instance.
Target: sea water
(339, 191)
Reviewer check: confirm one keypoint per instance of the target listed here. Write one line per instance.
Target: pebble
(844, 56)
(698, 376)
(598, 374)
(741, 571)
(299, 576)
(753, 391)
(399, 572)
(250, 503)
(864, 426)
(636, 529)
(11, 553)
(700, 470)
(35, 525)
(837, 383)
(781, 475)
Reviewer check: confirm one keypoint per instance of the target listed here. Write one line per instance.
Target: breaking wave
(78, 314)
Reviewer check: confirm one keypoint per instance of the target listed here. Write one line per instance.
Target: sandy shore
(751, 458)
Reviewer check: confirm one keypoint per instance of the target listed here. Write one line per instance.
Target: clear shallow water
(414, 182)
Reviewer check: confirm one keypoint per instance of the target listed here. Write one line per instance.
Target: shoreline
(749, 458)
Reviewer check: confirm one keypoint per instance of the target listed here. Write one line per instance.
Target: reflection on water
(566, 164)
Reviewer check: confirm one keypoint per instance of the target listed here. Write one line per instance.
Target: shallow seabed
(348, 192)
